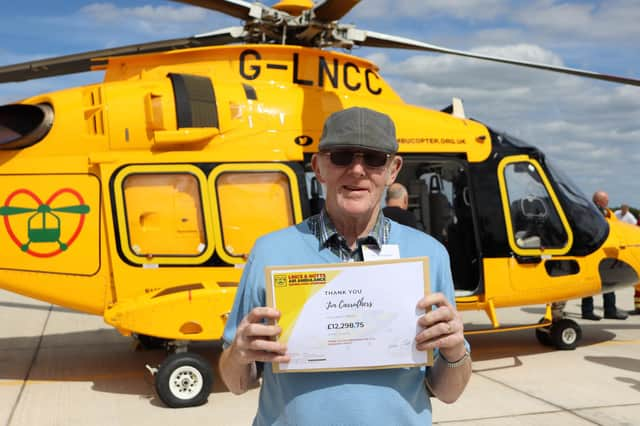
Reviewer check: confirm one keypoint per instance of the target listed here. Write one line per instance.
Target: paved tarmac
(59, 367)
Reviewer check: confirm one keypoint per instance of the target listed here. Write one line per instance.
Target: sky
(589, 129)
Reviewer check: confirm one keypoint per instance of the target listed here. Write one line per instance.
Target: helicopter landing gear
(564, 334)
(543, 334)
(184, 379)
(151, 342)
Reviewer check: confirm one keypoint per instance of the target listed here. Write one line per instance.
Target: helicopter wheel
(543, 334)
(565, 334)
(184, 380)
(151, 342)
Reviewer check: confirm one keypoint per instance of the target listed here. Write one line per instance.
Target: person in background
(636, 294)
(636, 301)
(397, 203)
(601, 199)
(625, 215)
(356, 161)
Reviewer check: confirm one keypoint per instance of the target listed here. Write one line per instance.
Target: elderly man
(356, 161)
(601, 200)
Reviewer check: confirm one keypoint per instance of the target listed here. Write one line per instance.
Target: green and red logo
(44, 225)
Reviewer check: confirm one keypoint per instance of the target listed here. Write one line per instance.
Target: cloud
(151, 22)
(475, 10)
(613, 20)
(151, 18)
(585, 126)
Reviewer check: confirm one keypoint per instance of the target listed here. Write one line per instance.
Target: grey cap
(359, 128)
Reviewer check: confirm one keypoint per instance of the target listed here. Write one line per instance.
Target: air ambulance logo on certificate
(298, 278)
(349, 316)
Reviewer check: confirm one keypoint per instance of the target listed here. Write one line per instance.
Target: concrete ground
(59, 367)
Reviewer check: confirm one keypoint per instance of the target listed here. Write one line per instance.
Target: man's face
(354, 190)
(604, 201)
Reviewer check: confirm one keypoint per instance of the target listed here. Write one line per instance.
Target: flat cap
(361, 128)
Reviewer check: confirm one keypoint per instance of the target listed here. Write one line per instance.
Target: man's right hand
(255, 340)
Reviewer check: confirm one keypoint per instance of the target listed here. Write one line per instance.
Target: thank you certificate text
(348, 316)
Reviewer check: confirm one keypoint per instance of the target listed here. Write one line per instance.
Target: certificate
(349, 316)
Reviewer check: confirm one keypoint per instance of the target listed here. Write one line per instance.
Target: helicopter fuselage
(182, 159)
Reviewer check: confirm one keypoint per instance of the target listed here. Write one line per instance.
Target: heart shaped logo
(46, 223)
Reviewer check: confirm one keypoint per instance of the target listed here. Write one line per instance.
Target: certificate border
(271, 302)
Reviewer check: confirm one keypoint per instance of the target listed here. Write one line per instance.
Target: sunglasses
(370, 158)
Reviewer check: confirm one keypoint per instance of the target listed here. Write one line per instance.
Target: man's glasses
(370, 158)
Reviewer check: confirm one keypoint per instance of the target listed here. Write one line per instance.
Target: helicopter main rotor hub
(272, 26)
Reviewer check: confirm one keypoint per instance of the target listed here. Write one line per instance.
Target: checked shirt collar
(328, 236)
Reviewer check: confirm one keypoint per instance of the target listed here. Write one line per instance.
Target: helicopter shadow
(115, 364)
(110, 362)
(520, 343)
(491, 346)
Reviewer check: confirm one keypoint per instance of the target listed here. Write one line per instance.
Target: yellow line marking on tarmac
(619, 342)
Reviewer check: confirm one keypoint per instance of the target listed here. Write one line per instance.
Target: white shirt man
(625, 215)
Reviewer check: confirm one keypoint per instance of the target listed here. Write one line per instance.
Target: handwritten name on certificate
(348, 316)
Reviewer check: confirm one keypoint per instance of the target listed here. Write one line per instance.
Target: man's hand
(441, 328)
(255, 341)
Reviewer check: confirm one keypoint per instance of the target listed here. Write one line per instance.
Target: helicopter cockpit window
(164, 214)
(24, 125)
(535, 221)
(251, 204)
(590, 229)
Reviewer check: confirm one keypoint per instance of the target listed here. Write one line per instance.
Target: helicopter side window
(251, 204)
(164, 214)
(535, 222)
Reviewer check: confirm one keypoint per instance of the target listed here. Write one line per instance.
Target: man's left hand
(441, 328)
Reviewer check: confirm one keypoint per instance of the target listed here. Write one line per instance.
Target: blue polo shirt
(372, 397)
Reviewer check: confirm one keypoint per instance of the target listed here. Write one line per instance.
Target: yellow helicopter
(139, 198)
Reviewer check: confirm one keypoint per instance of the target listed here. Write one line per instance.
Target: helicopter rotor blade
(374, 39)
(11, 210)
(79, 209)
(332, 10)
(87, 61)
(236, 8)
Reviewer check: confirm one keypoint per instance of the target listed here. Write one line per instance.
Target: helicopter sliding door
(440, 199)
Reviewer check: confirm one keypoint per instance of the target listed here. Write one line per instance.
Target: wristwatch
(457, 363)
